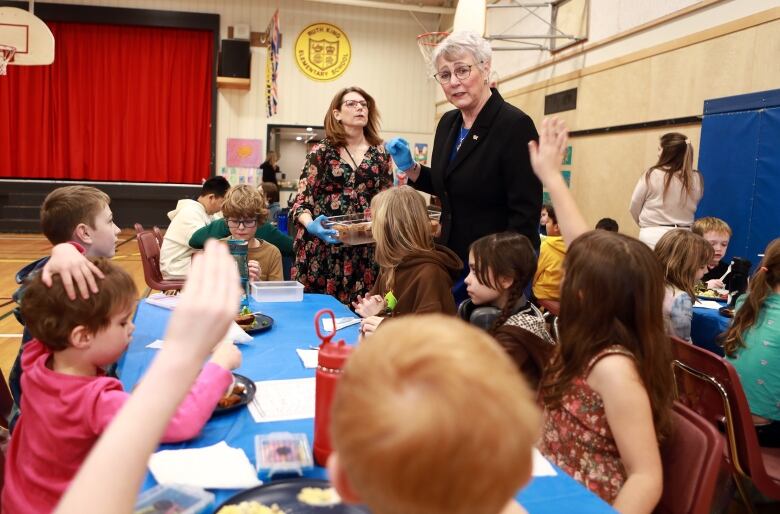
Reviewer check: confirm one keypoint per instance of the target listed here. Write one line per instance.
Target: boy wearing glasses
(244, 209)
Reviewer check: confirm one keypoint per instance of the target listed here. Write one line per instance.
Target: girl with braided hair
(500, 268)
(752, 345)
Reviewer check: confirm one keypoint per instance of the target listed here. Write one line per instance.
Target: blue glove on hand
(398, 149)
(316, 228)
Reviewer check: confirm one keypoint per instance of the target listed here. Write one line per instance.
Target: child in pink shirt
(68, 401)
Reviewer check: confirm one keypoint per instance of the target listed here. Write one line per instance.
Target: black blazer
(489, 186)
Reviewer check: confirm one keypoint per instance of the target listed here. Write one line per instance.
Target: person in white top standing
(186, 218)
(666, 196)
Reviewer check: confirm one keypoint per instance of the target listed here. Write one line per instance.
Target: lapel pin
(476, 137)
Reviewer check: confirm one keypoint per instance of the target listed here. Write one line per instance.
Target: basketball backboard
(28, 34)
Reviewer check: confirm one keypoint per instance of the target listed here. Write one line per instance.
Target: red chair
(157, 232)
(692, 457)
(149, 248)
(709, 385)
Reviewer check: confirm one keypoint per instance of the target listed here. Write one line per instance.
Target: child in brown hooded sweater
(416, 275)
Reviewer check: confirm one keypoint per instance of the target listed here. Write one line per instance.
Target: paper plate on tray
(284, 493)
(246, 396)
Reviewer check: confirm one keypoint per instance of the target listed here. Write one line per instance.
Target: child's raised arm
(546, 158)
(208, 302)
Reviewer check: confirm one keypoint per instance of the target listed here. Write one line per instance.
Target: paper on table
(213, 467)
(237, 334)
(327, 323)
(156, 344)
(282, 400)
(308, 357)
(163, 300)
(541, 466)
(708, 304)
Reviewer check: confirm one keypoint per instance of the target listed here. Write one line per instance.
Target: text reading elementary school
(322, 51)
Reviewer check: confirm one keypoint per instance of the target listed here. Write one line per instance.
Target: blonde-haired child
(245, 209)
(684, 257)
(607, 397)
(718, 234)
(415, 274)
(68, 401)
(752, 345)
(428, 394)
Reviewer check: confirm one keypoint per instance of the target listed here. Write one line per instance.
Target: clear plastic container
(277, 291)
(282, 452)
(353, 229)
(173, 498)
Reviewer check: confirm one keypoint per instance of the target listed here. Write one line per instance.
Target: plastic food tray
(353, 229)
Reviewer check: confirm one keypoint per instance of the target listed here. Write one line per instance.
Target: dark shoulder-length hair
(612, 294)
(334, 130)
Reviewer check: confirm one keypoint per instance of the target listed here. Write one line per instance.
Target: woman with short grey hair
(480, 168)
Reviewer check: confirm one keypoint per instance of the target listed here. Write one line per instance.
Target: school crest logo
(322, 51)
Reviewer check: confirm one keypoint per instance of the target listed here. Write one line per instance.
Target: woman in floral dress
(343, 172)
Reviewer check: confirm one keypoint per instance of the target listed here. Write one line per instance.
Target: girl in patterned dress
(752, 345)
(608, 394)
(341, 175)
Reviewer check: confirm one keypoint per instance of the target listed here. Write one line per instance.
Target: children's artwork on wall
(244, 153)
(567, 156)
(238, 176)
(421, 153)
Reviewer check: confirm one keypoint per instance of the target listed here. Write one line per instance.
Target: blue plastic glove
(316, 228)
(398, 148)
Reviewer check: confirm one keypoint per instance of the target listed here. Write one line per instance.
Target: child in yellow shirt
(549, 270)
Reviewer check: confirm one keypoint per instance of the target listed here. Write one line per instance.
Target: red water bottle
(330, 362)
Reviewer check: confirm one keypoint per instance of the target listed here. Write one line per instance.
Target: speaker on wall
(234, 58)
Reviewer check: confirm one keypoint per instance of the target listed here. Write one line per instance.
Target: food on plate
(245, 318)
(251, 507)
(233, 397)
(319, 496)
(353, 232)
(709, 293)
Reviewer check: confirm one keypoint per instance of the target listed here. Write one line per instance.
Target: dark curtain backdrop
(119, 104)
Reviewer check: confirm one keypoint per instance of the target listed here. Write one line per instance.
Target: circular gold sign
(322, 51)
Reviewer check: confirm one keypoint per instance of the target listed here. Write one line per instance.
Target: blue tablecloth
(272, 356)
(706, 326)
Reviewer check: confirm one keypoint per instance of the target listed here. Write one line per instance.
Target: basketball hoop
(6, 56)
(427, 43)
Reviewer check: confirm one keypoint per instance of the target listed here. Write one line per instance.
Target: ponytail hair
(764, 281)
(676, 159)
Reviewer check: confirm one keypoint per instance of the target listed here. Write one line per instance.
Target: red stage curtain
(118, 104)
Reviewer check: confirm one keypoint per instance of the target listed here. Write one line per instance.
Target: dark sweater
(218, 229)
(423, 282)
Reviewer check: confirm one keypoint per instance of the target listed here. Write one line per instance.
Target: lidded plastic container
(282, 452)
(173, 498)
(277, 291)
(353, 229)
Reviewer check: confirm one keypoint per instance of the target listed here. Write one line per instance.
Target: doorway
(291, 144)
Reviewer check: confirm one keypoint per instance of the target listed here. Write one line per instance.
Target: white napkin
(327, 323)
(163, 300)
(308, 357)
(234, 333)
(541, 466)
(213, 467)
(708, 304)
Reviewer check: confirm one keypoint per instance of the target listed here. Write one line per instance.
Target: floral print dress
(331, 186)
(577, 437)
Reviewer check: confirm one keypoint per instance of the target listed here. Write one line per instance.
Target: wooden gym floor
(16, 251)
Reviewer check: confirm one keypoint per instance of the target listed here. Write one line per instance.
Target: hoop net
(427, 42)
(6, 56)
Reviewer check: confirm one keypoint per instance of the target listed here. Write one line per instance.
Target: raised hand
(72, 267)
(208, 301)
(547, 154)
